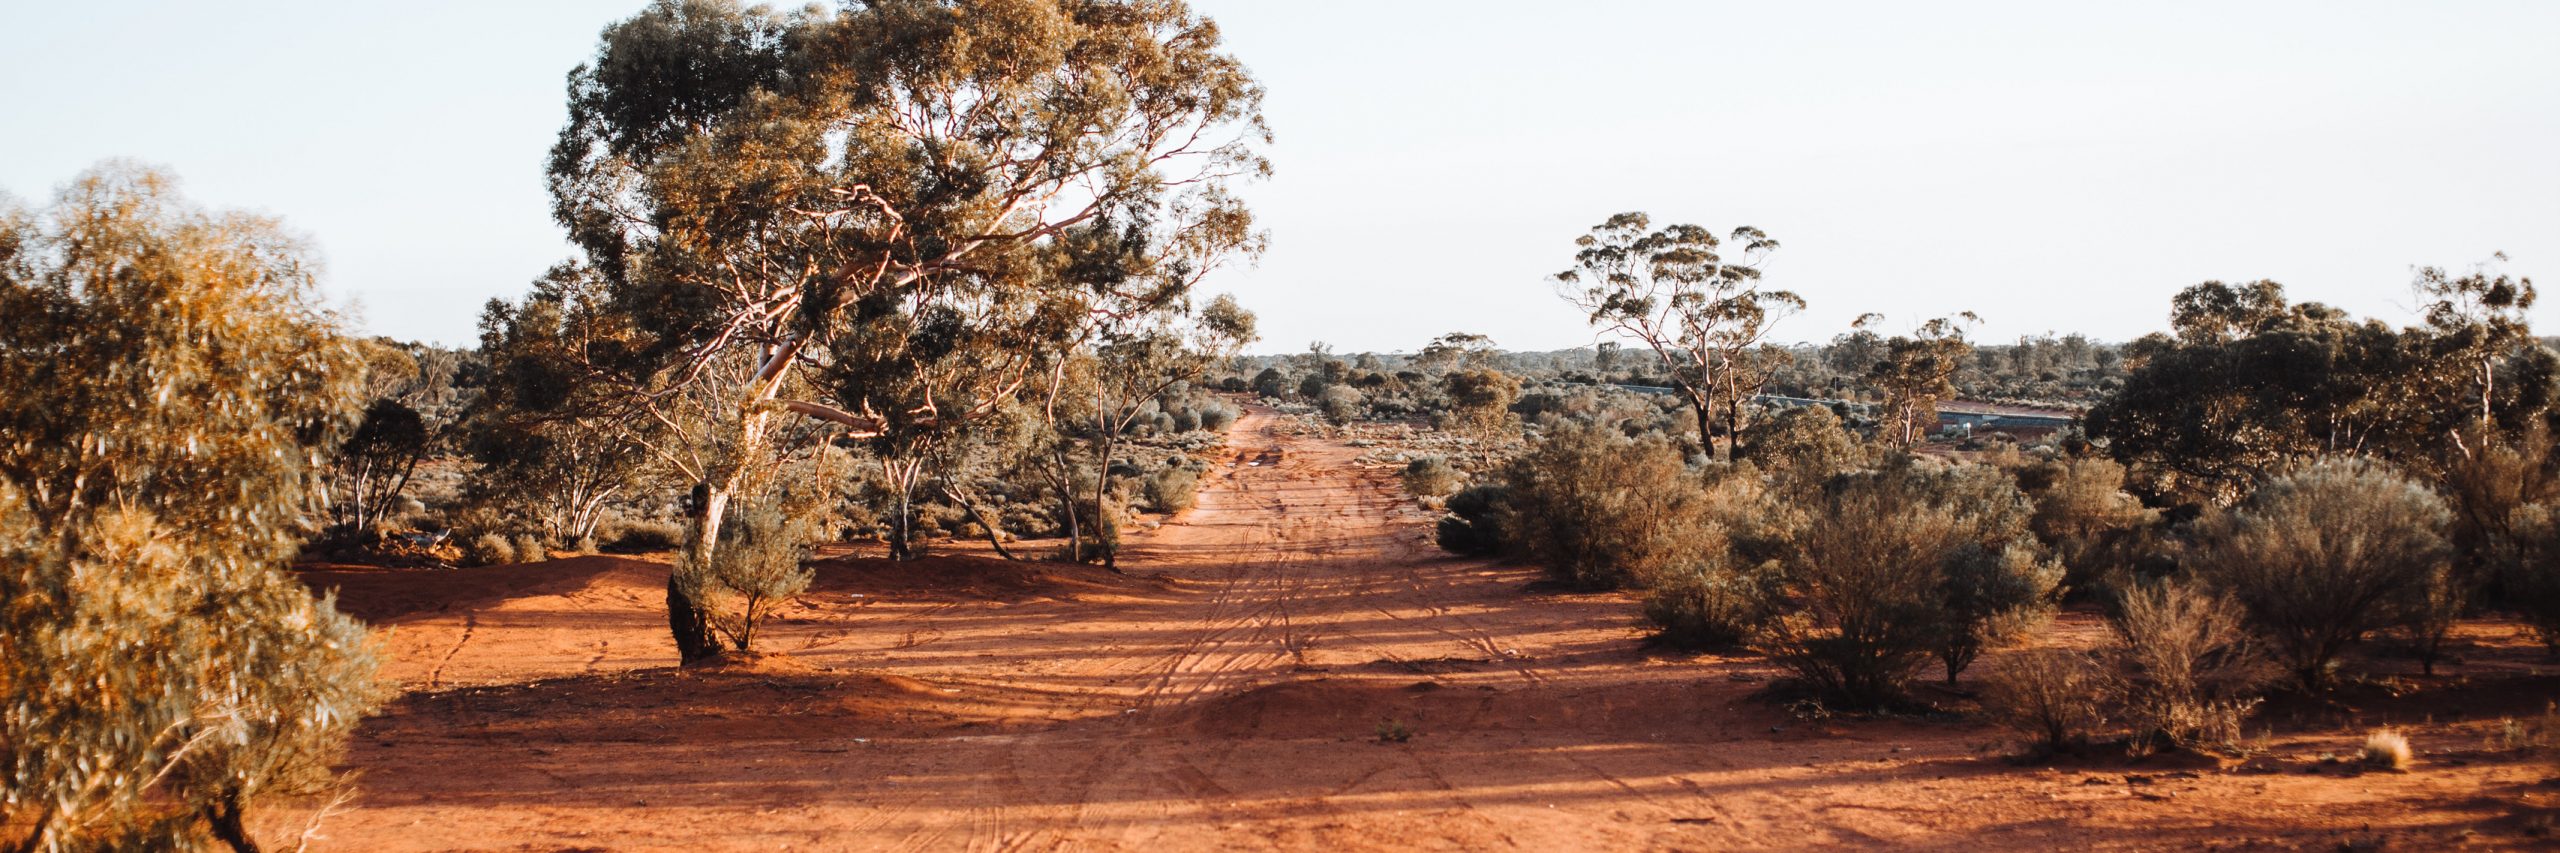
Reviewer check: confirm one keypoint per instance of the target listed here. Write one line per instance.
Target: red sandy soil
(1231, 690)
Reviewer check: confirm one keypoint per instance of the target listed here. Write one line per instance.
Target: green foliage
(374, 466)
(1804, 447)
(2326, 555)
(1915, 374)
(2250, 384)
(1702, 313)
(2084, 514)
(168, 390)
(762, 566)
(554, 442)
(1899, 565)
(1599, 510)
(1709, 602)
(1474, 524)
(774, 203)
(642, 537)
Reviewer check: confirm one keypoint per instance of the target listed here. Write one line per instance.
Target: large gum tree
(855, 194)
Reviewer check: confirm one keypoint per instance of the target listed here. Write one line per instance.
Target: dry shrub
(2386, 750)
(1902, 564)
(2084, 514)
(638, 537)
(1431, 477)
(761, 562)
(1710, 603)
(489, 549)
(2057, 697)
(1172, 489)
(529, 549)
(2190, 668)
(1599, 510)
(2326, 555)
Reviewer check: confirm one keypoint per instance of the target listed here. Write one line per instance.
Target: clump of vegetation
(2191, 668)
(171, 387)
(1474, 524)
(1599, 510)
(2386, 749)
(2326, 555)
(1432, 477)
(1339, 404)
(529, 548)
(642, 537)
(1173, 488)
(1708, 603)
(762, 563)
(489, 549)
(2058, 697)
(1900, 565)
(2085, 515)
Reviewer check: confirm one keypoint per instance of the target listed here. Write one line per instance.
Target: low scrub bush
(2190, 668)
(489, 549)
(529, 549)
(640, 537)
(2056, 697)
(761, 562)
(1431, 477)
(1598, 510)
(1903, 564)
(2386, 749)
(1172, 489)
(1709, 604)
(1473, 525)
(2326, 555)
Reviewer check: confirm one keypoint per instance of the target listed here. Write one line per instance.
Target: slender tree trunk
(995, 533)
(1706, 425)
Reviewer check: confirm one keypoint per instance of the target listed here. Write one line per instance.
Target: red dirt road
(1231, 693)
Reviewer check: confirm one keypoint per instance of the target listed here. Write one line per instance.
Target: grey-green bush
(1599, 510)
(2324, 556)
(1172, 489)
(171, 384)
(2056, 697)
(760, 564)
(1431, 477)
(1902, 564)
(1710, 603)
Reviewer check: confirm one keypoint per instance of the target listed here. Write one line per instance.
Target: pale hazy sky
(2061, 167)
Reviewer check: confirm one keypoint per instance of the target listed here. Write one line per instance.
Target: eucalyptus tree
(2249, 384)
(1674, 290)
(551, 439)
(2478, 322)
(169, 391)
(767, 193)
(1135, 364)
(1917, 372)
